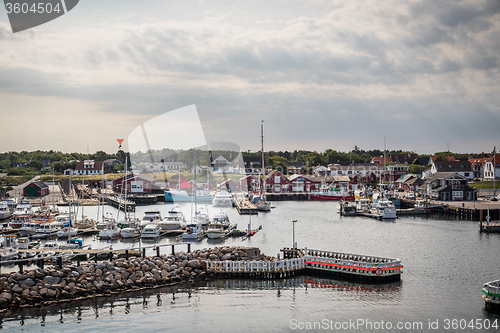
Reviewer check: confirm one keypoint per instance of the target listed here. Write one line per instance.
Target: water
(446, 262)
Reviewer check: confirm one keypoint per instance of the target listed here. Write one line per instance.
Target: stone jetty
(90, 279)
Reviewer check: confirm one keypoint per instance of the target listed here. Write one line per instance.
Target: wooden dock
(121, 204)
(246, 207)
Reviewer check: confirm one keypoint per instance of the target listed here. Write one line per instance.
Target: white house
(165, 166)
(492, 167)
(463, 168)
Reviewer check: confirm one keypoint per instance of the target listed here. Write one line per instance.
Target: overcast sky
(322, 74)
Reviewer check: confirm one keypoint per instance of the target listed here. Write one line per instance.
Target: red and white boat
(326, 193)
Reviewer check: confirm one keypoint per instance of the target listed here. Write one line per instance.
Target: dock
(246, 207)
(121, 204)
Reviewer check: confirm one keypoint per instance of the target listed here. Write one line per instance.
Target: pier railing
(352, 264)
(257, 266)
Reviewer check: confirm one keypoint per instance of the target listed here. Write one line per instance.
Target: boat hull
(326, 197)
(174, 197)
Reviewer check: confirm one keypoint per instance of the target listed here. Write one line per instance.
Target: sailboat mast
(263, 165)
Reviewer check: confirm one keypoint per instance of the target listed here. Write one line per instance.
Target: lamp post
(293, 233)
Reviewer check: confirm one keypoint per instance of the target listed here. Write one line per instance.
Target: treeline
(60, 161)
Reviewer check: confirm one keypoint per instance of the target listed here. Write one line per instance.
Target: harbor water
(446, 262)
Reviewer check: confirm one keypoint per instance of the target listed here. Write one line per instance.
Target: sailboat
(194, 229)
(262, 204)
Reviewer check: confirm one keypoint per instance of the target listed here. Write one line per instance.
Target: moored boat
(175, 220)
(151, 231)
(383, 210)
(5, 211)
(223, 198)
(330, 193)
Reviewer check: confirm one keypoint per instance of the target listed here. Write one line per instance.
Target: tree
(35, 165)
(278, 162)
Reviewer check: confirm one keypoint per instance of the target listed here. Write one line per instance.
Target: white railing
(352, 263)
(259, 266)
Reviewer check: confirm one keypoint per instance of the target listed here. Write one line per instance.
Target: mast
(494, 173)
(263, 165)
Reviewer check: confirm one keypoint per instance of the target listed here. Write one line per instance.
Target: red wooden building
(134, 184)
(36, 189)
(250, 183)
(276, 182)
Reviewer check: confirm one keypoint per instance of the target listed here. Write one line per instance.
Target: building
(133, 184)
(165, 166)
(395, 171)
(230, 186)
(276, 182)
(36, 189)
(404, 158)
(252, 165)
(449, 186)
(296, 168)
(492, 167)
(380, 160)
(110, 164)
(477, 165)
(305, 183)
(88, 167)
(463, 168)
(250, 183)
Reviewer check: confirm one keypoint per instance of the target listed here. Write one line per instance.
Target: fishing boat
(48, 245)
(74, 243)
(193, 231)
(362, 205)
(29, 229)
(47, 230)
(151, 231)
(67, 231)
(383, 209)
(347, 208)
(222, 218)
(223, 198)
(175, 220)
(85, 223)
(5, 211)
(331, 193)
(216, 230)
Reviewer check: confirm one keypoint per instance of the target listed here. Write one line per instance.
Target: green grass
(485, 185)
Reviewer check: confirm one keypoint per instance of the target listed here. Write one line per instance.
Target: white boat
(21, 215)
(48, 246)
(9, 253)
(151, 231)
(66, 255)
(362, 205)
(111, 231)
(130, 232)
(85, 223)
(383, 209)
(23, 243)
(63, 219)
(216, 230)
(29, 229)
(223, 198)
(67, 231)
(5, 211)
(194, 231)
(150, 217)
(222, 218)
(47, 230)
(74, 243)
(175, 220)
(12, 203)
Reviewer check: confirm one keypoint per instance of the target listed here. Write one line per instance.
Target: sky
(321, 74)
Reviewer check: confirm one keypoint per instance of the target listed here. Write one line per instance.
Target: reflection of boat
(383, 209)
(223, 198)
(151, 231)
(174, 220)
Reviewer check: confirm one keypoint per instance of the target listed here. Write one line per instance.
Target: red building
(230, 186)
(134, 184)
(250, 183)
(276, 182)
(36, 189)
(304, 183)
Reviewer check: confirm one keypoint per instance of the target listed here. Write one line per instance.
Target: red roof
(449, 158)
(380, 160)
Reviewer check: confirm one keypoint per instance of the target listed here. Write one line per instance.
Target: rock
(139, 274)
(7, 295)
(28, 282)
(25, 294)
(52, 279)
(51, 293)
(55, 287)
(194, 263)
(17, 289)
(227, 256)
(213, 257)
(164, 274)
(98, 272)
(34, 294)
(18, 276)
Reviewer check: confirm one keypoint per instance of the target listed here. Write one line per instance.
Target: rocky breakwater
(71, 282)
